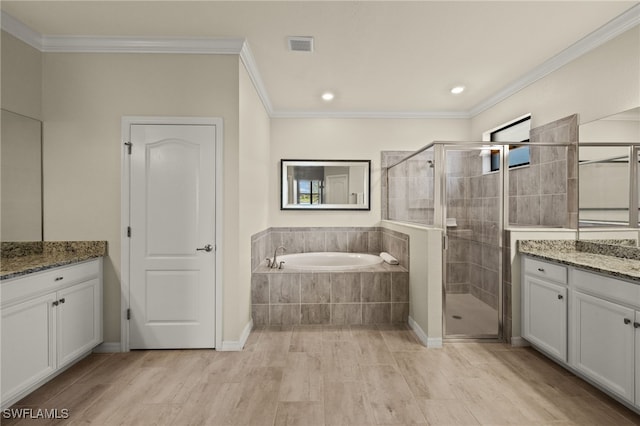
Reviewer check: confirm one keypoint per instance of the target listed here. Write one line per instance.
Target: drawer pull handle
(636, 325)
(560, 297)
(62, 300)
(627, 321)
(59, 278)
(541, 269)
(55, 303)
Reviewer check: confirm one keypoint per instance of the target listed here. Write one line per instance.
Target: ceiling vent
(300, 44)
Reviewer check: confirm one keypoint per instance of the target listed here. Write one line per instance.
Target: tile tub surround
(372, 295)
(598, 256)
(370, 240)
(20, 258)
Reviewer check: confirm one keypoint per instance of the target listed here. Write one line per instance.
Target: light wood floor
(328, 375)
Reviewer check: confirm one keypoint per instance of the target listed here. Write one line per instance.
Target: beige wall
(425, 278)
(602, 82)
(84, 98)
(254, 195)
(352, 139)
(21, 77)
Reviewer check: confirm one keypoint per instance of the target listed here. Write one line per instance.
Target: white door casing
(172, 185)
(337, 189)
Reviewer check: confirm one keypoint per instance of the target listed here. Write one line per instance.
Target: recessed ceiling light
(328, 96)
(457, 90)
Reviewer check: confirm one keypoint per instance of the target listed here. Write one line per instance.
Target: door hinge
(128, 313)
(129, 231)
(128, 145)
(445, 242)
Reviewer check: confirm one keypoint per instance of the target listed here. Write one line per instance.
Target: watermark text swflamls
(35, 413)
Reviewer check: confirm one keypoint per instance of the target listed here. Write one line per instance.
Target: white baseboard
(237, 345)
(430, 342)
(519, 342)
(108, 347)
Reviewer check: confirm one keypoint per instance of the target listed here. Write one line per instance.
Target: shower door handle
(206, 248)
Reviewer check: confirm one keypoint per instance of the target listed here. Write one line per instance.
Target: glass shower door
(472, 206)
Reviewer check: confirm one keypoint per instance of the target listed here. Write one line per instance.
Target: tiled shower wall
(410, 187)
(473, 200)
(546, 192)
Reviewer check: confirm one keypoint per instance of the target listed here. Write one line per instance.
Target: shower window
(514, 131)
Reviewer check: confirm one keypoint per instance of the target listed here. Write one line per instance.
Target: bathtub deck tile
(315, 287)
(316, 313)
(346, 313)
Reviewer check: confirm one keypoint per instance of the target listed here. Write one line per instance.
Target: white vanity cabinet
(544, 308)
(603, 331)
(49, 320)
(589, 322)
(603, 343)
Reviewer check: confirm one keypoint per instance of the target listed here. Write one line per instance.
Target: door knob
(208, 247)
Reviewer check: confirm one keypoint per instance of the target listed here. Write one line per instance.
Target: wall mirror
(605, 172)
(325, 184)
(21, 176)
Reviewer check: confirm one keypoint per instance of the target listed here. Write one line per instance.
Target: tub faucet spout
(274, 262)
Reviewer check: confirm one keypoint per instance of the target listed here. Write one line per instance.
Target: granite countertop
(22, 258)
(617, 258)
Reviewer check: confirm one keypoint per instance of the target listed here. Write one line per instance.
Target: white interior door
(337, 189)
(172, 217)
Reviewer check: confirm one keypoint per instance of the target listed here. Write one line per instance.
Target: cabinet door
(79, 315)
(544, 317)
(603, 343)
(28, 344)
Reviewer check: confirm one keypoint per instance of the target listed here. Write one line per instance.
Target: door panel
(603, 343)
(172, 288)
(78, 330)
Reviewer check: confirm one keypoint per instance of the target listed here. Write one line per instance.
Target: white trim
(100, 44)
(247, 58)
(108, 347)
(237, 345)
(429, 342)
(116, 44)
(519, 342)
(20, 31)
(126, 123)
(608, 31)
(371, 114)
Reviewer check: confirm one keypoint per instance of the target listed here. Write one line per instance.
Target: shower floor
(469, 316)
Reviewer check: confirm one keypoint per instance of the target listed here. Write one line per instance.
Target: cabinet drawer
(545, 270)
(49, 280)
(607, 288)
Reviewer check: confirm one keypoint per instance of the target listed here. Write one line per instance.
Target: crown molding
(608, 31)
(100, 44)
(246, 56)
(20, 31)
(372, 114)
(239, 46)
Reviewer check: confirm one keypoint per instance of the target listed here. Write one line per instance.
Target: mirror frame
(286, 205)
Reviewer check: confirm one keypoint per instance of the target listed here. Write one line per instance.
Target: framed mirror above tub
(325, 184)
(21, 201)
